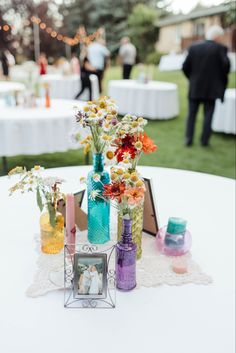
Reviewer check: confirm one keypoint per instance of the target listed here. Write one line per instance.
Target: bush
(154, 58)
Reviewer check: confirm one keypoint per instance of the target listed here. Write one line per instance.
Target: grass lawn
(218, 159)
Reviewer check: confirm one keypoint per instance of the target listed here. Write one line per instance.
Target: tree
(20, 41)
(142, 30)
(110, 14)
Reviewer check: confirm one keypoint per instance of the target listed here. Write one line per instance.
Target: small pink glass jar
(170, 251)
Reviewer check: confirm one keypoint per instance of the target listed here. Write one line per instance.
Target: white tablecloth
(224, 119)
(9, 87)
(37, 130)
(173, 62)
(153, 100)
(168, 319)
(66, 87)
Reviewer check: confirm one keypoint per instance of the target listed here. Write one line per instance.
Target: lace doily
(153, 269)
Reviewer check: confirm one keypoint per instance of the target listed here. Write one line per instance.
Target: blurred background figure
(86, 70)
(42, 63)
(127, 56)
(98, 56)
(207, 67)
(75, 64)
(7, 61)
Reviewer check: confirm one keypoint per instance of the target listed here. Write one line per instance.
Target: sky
(182, 5)
(187, 5)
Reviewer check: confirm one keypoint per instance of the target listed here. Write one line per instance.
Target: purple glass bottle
(126, 259)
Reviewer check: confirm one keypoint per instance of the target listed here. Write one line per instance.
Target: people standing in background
(5, 64)
(86, 70)
(75, 65)
(207, 67)
(98, 56)
(42, 63)
(127, 55)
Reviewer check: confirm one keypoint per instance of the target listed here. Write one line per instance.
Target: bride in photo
(95, 285)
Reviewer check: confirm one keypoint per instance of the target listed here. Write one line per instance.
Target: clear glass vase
(137, 228)
(98, 209)
(52, 238)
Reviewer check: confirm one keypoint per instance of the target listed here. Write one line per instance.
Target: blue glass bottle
(98, 209)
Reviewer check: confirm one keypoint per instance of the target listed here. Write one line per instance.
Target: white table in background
(224, 119)
(66, 87)
(171, 62)
(37, 130)
(168, 319)
(153, 100)
(11, 87)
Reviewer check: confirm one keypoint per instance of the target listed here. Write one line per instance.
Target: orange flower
(135, 196)
(148, 144)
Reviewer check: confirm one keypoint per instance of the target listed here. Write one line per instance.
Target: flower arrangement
(130, 141)
(47, 188)
(126, 189)
(100, 116)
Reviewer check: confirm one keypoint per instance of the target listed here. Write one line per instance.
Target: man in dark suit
(207, 67)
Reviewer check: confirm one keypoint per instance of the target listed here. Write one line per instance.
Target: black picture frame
(94, 260)
(150, 216)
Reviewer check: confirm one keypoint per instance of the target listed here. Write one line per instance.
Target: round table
(171, 62)
(225, 113)
(181, 319)
(66, 87)
(153, 100)
(9, 87)
(37, 130)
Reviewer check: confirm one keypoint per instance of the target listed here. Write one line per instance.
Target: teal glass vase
(98, 209)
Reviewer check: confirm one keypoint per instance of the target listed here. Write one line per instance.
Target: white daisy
(94, 194)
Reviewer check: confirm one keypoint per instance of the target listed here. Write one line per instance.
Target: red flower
(126, 145)
(114, 191)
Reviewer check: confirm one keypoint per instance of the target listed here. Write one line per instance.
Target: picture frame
(78, 292)
(90, 276)
(150, 216)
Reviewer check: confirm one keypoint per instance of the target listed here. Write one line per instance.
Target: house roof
(196, 13)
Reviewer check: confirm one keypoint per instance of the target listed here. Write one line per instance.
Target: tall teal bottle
(98, 209)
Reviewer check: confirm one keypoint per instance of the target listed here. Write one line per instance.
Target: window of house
(199, 29)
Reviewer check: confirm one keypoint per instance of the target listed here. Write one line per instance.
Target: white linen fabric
(66, 87)
(153, 100)
(37, 130)
(224, 118)
(153, 269)
(167, 319)
(172, 62)
(9, 87)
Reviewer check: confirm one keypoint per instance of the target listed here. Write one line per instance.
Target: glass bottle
(98, 209)
(52, 238)
(126, 259)
(137, 228)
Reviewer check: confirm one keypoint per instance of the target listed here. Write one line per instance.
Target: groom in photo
(207, 67)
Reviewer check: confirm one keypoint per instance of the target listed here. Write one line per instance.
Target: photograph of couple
(90, 272)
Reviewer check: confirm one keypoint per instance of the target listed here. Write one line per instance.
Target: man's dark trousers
(209, 106)
(127, 71)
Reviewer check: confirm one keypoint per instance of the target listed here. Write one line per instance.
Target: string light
(81, 35)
